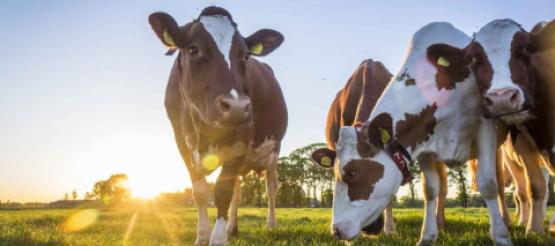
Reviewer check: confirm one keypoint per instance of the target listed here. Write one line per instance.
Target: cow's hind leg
(443, 187)
(536, 183)
(487, 180)
(224, 192)
(430, 185)
(501, 187)
(232, 228)
(271, 190)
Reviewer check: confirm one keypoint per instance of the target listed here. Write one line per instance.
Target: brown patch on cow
(520, 61)
(415, 129)
(361, 176)
(480, 65)
(410, 82)
(457, 71)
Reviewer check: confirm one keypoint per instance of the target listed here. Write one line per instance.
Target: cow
(226, 109)
(513, 69)
(432, 111)
(352, 105)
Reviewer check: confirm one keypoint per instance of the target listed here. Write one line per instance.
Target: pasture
(149, 225)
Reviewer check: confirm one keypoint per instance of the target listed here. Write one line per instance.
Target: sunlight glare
(80, 220)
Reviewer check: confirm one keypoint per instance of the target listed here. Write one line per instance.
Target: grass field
(176, 226)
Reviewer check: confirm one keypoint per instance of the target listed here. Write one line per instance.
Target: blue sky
(82, 82)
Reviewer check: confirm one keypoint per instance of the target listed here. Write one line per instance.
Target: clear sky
(82, 82)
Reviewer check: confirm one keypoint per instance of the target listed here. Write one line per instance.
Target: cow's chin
(515, 118)
(375, 227)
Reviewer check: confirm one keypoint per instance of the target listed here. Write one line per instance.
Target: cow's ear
(263, 42)
(380, 130)
(544, 37)
(324, 157)
(447, 57)
(166, 29)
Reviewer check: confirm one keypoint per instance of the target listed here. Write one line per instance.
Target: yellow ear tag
(257, 49)
(325, 161)
(384, 136)
(443, 62)
(211, 162)
(168, 38)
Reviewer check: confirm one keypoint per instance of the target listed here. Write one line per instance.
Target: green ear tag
(325, 161)
(443, 62)
(168, 39)
(384, 136)
(257, 49)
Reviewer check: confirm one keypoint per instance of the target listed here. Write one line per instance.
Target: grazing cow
(226, 109)
(513, 68)
(352, 105)
(431, 110)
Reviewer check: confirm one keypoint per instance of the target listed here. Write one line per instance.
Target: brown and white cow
(353, 105)
(513, 69)
(226, 109)
(433, 109)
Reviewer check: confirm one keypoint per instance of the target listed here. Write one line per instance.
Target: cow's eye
(192, 50)
(350, 175)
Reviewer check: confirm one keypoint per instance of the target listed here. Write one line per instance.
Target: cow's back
(355, 101)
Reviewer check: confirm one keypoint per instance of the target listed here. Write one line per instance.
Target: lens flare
(80, 220)
(210, 162)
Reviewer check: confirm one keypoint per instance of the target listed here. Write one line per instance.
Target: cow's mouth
(515, 117)
(234, 124)
(375, 227)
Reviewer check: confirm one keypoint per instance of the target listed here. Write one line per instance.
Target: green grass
(177, 226)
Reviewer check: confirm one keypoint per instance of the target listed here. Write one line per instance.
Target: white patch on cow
(496, 38)
(222, 31)
(452, 135)
(234, 93)
(219, 234)
(553, 149)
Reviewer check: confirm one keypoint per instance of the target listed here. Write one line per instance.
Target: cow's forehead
(222, 30)
(496, 39)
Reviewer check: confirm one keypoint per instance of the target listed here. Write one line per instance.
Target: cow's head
(499, 56)
(212, 62)
(366, 177)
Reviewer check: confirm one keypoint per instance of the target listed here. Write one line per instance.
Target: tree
(66, 196)
(253, 191)
(74, 195)
(457, 176)
(415, 171)
(112, 190)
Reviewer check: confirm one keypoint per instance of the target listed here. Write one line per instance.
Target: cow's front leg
(520, 196)
(232, 228)
(430, 187)
(536, 183)
(389, 224)
(501, 187)
(487, 180)
(271, 190)
(223, 194)
(200, 194)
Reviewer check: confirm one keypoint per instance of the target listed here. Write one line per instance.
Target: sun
(144, 190)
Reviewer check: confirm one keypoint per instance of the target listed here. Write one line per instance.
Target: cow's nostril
(225, 106)
(514, 96)
(336, 233)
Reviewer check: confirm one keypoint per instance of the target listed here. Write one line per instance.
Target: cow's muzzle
(234, 110)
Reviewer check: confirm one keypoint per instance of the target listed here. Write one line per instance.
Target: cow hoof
(503, 242)
(219, 233)
(272, 225)
(534, 232)
(424, 242)
(232, 231)
(201, 241)
(390, 232)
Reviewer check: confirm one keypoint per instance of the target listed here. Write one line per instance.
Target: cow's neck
(544, 101)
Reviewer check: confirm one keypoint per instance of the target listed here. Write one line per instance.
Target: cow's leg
(487, 180)
(536, 184)
(552, 222)
(271, 190)
(430, 185)
(232, 228)
(224, 192)
(443, 187)
(501, 187)
(200, 194)
(389, 224)
(520, 194)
